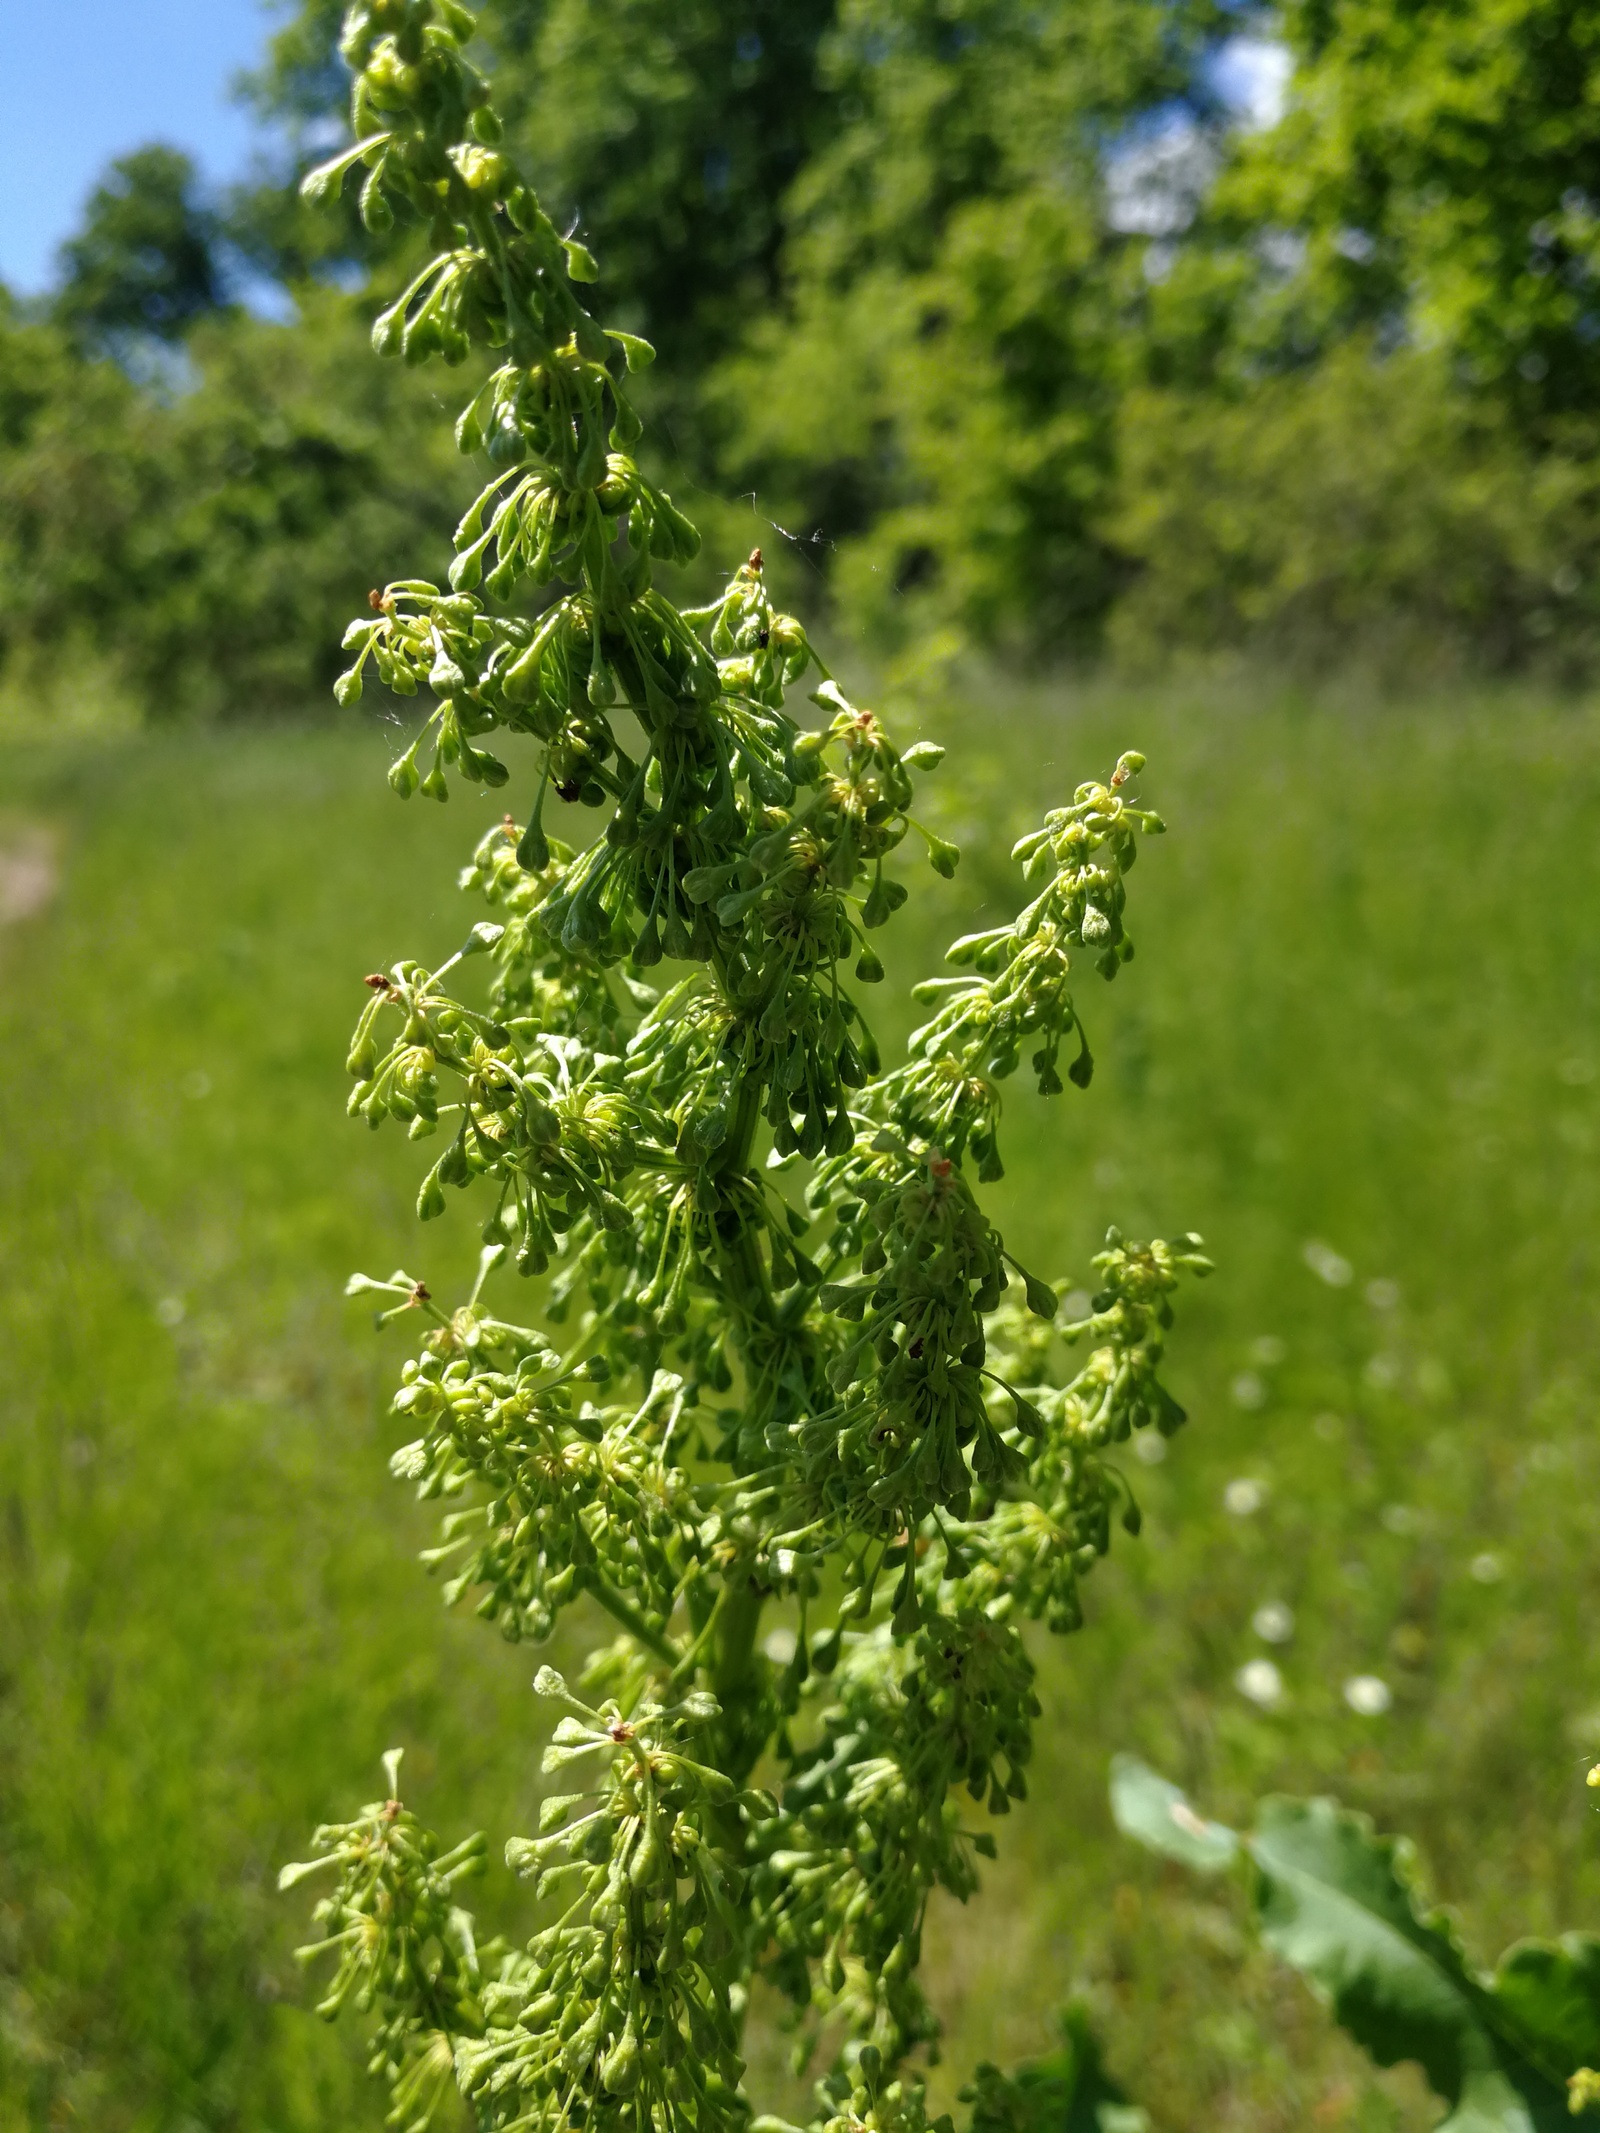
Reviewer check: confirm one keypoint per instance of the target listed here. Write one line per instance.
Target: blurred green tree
(203, 547)
(1363, 401)
(671, 130)
(1440, 166)
(1004, 320)
(146, 261)
(1358, 504)
(937, 391)
(907, 198)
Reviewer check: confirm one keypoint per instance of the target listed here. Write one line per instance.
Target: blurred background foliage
(1091, 408)
(1020, 321)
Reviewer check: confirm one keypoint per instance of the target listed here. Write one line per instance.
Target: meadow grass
(1363, 1017)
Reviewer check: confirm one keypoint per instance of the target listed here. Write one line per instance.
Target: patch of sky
(87, 80)
(1159, 170)
(1154, 184)
(1250, 77)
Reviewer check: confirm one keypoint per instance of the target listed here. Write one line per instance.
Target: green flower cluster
(406, 1950)
(817, 1454)
(1083, 855)
(621, 2002)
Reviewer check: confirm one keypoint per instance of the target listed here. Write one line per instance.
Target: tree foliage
(888, 218)
(942, 375)
(843, 1404)
(1253, 520)
(1326, 381)
(1442, 168)
(186, 549)
(146, 260)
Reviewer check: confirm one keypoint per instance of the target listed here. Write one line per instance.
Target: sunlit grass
(1358, 1048)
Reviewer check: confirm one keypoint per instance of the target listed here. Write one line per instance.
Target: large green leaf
(1547, 1997)
(1340, 1903)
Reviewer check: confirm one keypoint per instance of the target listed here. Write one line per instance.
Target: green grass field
(1364, 1016)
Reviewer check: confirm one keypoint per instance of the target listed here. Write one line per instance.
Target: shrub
(1361, 505)
(197, 546)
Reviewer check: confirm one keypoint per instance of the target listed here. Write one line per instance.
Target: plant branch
(623, 1611)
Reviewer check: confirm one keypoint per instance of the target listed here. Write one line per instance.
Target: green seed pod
(602, 689)
(376, 213)
(649, 1858)
(647, 949)
(638, 353)
(626, 430)
(487, 769)
(362, 1059)
(445, 677)
(533, 848)
(544, 1126)
(388, 330)
(590, 467)
(1041, 1298)
(581, 2046)
(620, 2069)
(580, 260)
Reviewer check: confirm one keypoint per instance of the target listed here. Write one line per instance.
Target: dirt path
(29, 871)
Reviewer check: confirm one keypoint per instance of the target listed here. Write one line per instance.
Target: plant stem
(733, 1676)
(739, 1619)
(623, 1611)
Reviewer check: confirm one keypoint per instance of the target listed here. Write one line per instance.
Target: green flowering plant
(786, 1371)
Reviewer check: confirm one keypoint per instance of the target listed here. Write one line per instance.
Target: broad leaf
(1155, 1812)
(1340, 1904)
(1336, 1901)
(1547, 1999)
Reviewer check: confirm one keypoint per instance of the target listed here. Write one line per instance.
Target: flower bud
(376, 214)
(620, 2069)
(942, 856)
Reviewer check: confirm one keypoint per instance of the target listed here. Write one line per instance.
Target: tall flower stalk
(793, 1417)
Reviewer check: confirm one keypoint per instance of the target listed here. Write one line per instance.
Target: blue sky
(84, 80)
